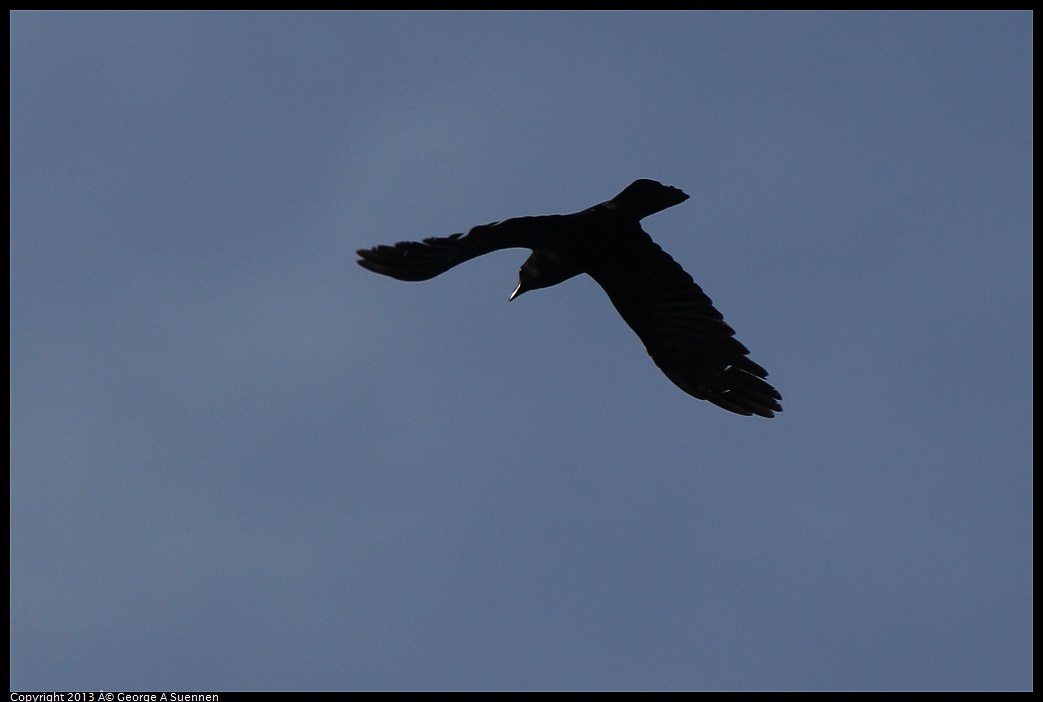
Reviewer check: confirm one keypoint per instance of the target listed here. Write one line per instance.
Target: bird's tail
(646, 197)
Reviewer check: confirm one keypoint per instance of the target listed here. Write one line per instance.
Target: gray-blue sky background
(240, 461)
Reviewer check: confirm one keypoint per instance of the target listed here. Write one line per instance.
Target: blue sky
(240, 461)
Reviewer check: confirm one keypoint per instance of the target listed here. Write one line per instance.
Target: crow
(683, 332)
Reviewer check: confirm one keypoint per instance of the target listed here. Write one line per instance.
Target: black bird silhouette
(684, 333)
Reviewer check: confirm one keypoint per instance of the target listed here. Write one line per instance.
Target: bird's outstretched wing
(418, 260)
(685, 334)
(423, 260)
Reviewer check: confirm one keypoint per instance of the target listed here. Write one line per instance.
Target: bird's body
(684, 334)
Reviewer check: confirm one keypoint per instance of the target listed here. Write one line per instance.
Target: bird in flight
(683, 332)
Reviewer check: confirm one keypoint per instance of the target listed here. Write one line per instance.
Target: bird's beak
(517, 291)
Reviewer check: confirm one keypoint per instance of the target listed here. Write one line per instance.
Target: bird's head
(541, 270)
